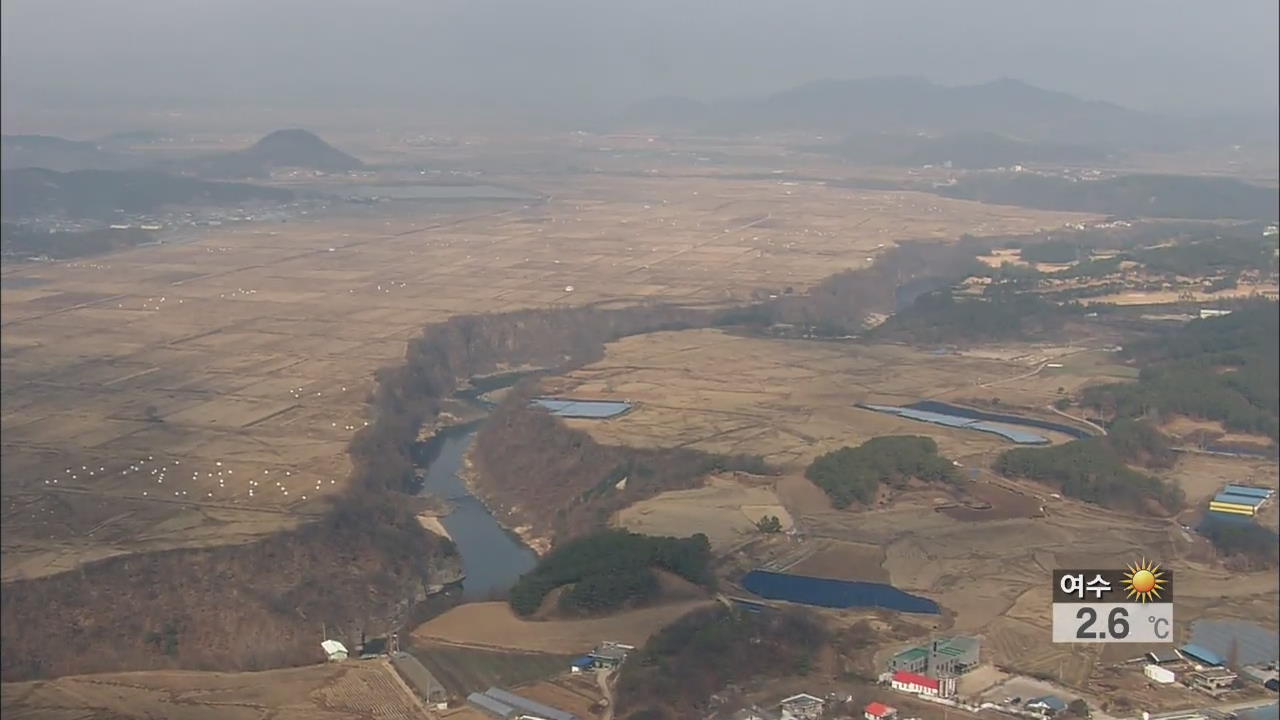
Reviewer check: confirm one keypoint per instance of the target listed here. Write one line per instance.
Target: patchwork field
(985, 551)
(346, 691)
(247, 353)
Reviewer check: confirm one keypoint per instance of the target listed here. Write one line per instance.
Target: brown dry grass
(356, 691)
(574, 694)
(990, 569)
(254, 312)
(788, 400)
(843, 561)
(725, 510)
(494, 625)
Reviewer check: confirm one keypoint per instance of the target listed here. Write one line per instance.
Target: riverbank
(469, 474)
(432, 523)
(493, 557)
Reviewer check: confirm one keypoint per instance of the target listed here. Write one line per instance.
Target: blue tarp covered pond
(825, 592)
(589, 409)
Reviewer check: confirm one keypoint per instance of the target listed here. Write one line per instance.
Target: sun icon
(1145, 580)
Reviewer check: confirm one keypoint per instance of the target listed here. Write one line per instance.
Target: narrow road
(1101, 430)
(1019, 376)
(602, 679)
(1227, 708)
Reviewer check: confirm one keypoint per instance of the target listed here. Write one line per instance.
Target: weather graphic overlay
(1144, 581)
(1133, 604)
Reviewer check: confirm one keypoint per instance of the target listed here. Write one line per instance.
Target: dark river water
(492, 558)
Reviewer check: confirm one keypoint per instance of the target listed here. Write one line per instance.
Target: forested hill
(1222, 368)
(609, 569)
(292, 148)
(32, 192)
(55, 153)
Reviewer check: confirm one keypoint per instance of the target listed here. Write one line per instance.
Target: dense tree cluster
(841, 304)
(1096, 469)
(856, 473)
(1243, 544)
(1221, 369)
(610, 568)
(1052, 251)
(1232, 253)
(698, 655)
(1003, 314)
(769, 524)
(32, 192)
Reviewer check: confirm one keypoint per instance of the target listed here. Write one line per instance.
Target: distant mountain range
(34, 192)
(908, 105)
(294, 148)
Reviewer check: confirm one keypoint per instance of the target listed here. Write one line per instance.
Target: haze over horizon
(1178, 57)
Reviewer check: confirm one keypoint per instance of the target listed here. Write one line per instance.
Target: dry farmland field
(788, 400)
(203, 392)
(347, 691)
(494, 625)
(792, 399)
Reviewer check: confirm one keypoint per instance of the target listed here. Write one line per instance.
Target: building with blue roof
(1249, 490)
(1201, 654)
(1047, 705)
(1239, 641)
(1230, 497)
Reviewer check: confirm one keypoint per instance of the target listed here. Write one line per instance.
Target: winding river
(492, 558)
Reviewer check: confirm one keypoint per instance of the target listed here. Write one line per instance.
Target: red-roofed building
(918, 684)
(879, 711)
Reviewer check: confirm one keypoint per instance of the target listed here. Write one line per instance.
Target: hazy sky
(1181, 55)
